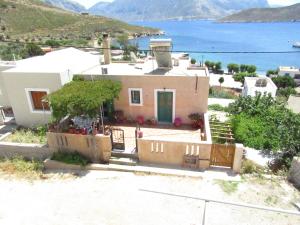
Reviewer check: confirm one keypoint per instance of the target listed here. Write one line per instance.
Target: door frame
(173, 104)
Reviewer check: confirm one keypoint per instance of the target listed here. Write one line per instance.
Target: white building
(289, 71)
(263, 85)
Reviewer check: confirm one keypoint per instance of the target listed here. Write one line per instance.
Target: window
(135, 96)
(35, 100)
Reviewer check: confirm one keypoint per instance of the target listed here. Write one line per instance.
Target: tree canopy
(82, 97)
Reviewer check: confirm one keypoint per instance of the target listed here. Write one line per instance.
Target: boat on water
(296, 44)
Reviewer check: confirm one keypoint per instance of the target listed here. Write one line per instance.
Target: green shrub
(23, 135)
(241, 76)
(215, 93)
(249, 167)
(284, 81)
(193, 61)
(218, 107)
(70, 158)
(286, 92)
(228, 187)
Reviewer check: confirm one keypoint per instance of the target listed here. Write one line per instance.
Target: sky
(89, 3)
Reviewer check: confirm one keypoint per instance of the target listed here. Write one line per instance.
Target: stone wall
(28, 151)
(294, 173)
(96, 148)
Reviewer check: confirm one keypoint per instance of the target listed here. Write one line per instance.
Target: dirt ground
(114, 198)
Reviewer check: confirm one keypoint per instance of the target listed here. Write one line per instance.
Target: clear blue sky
(89, 3)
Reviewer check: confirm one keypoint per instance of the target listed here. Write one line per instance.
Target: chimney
(162, 52)
(106, 49)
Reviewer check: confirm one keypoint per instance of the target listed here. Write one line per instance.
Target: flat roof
(251, 82)
(56, 62)
(289, 68)
(148, 67)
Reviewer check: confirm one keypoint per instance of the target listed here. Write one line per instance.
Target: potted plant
(193, 61)
(177, 122)
(197, 120)
(140, 120)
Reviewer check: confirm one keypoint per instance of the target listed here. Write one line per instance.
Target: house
(162, 86)
(263, 85)
(24, 84)
(290, 71)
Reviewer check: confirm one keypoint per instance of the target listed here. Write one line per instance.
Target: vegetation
(271, 72)
(53, 43)
(193, 61)
(18, 51)
(22, 168)
(218, 107)
(233, 68)
(250, 167)
(26, 135)
(82, 97)
(284, 82)
(70, 158)
(263, 123)
(125, 45)
(286, 92)
(214, 66)
(247, 68)
(215, 93)
(28, 19)
(241, 76)
(228, 187)
(221, 81)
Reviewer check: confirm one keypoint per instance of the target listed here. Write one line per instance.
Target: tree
(82, 98)
(193, 61)
(100, 40)
(221, 81)
(243, 68)
(123, 41)
(271, 72)
(284, 81)
(217, 67)
(31, 50)
(233, 68)
(286, 92)
(241, 76)
(251, 68)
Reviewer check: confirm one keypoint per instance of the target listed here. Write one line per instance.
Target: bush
(218, 107)
(263, 123)
(34, 136)
(284, 81)
(70, 158)
(286, 92)
(241, 76)
(53, 43)
(215, 93)
(193, 61)
(233, 68)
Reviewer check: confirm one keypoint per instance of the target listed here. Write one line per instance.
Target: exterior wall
(294, 173)
(172, 152)
(16, 83)
(290, 73)
(28, 151)
(238, 158)
(251, 91)
(96, 148)
(4, 101)
(188, 98)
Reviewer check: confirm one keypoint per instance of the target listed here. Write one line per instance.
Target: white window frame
(155, 102)
(141, 96)
(30, 102)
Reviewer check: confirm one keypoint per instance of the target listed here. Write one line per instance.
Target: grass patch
(250, 167)
(31, 136)
(74, 158)
(21, 167)
(223, 93)
(218, 107)
(228, 187)
(271, 200)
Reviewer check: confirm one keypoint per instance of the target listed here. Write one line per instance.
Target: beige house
(25, 84)
(163, 87)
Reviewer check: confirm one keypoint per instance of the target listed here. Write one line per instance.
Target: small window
(37, 100)
(286, 74)
(135, 96)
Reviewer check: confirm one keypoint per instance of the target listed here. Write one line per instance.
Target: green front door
(165, 107)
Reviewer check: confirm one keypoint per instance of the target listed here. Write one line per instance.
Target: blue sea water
(200, 35)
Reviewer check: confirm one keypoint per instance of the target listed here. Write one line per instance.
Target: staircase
(120, 158)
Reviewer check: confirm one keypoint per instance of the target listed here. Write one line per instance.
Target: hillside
(143, 10)
(24, 19)
(281, 14)
(66, 4)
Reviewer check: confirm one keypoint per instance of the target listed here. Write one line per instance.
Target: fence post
(238, 157)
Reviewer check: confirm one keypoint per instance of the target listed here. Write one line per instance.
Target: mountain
(139, 10)
(281, 14)
(33, 19)
(66, 4)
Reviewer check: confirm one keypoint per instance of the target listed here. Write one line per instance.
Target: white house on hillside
(289, 71)
(254, 85)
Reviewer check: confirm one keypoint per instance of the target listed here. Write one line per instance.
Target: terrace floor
(164, 132)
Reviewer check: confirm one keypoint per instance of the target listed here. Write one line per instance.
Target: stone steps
(123, 161)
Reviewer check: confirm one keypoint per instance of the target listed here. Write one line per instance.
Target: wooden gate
(222, 155)
(117, 139)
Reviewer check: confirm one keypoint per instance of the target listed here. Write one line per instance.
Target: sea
(210, 36)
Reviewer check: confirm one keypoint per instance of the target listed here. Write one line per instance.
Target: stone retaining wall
(294, 173)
